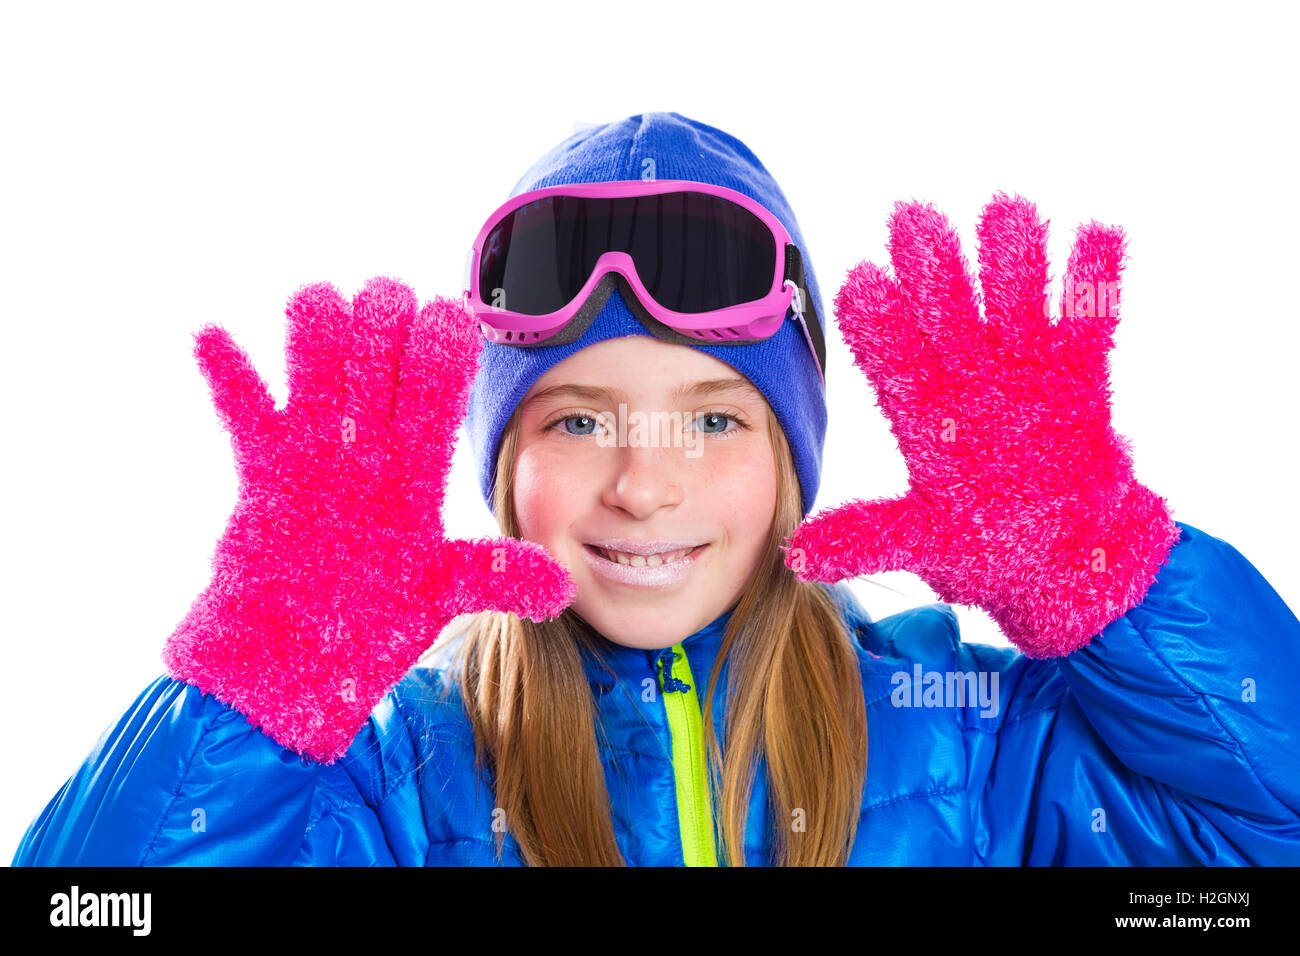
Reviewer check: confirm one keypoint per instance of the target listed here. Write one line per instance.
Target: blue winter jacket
(1171, 739)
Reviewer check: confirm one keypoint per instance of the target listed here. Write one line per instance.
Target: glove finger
(1013, 267)
(438, 368)
(933, 275)
(861, 537)
(1090, 294)
(896, 357)
(241, 398)
(382, 313)
(318, 322)
(502, 574)
(869, 312)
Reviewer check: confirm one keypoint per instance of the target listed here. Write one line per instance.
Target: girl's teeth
(642, 560)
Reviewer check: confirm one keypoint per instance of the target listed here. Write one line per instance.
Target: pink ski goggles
(695, 262)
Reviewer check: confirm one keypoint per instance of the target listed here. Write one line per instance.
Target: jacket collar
(632, 664)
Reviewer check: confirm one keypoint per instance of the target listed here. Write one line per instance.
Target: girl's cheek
(738, 482)
(739, 463)
(549, 492)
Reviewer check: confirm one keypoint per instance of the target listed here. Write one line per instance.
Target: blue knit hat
(667, 146)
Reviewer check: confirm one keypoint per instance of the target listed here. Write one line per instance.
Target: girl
(660, 668)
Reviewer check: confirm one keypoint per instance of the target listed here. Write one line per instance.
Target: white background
(169, 165)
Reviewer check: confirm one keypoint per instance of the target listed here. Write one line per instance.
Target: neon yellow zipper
(690, 770)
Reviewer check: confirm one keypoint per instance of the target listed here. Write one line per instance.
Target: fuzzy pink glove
(333, 575)
(1021, 497)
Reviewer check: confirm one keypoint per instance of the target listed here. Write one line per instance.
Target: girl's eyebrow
(596, 393)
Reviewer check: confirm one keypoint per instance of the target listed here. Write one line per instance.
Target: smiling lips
(647, 564)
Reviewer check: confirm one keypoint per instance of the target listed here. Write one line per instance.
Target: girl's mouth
(656, 570)
(638, 560)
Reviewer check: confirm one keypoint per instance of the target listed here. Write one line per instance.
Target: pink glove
(333, 575)
(1021, 498)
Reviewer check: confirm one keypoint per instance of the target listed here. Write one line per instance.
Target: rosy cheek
(742, 488)
(746, 464)
(548, 494)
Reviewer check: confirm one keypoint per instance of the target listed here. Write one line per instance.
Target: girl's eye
(585, 425)
(715, 423)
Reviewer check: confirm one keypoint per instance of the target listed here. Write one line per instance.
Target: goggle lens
(693, 252)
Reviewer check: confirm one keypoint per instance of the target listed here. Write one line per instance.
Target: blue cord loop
(665, 660)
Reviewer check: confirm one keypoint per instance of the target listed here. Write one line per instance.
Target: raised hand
(333, 575)
(1021, 497)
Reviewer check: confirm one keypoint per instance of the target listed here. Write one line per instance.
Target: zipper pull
(664, 660)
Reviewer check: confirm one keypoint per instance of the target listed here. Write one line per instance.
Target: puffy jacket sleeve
(183, 779)
(1172, 738)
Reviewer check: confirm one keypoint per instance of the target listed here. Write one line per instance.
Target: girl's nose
(645, 480)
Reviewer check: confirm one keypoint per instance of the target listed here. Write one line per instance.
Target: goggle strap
(812, 329)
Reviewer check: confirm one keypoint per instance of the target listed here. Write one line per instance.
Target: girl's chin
(644, 630)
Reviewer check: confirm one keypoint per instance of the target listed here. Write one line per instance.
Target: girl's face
(647, 445)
